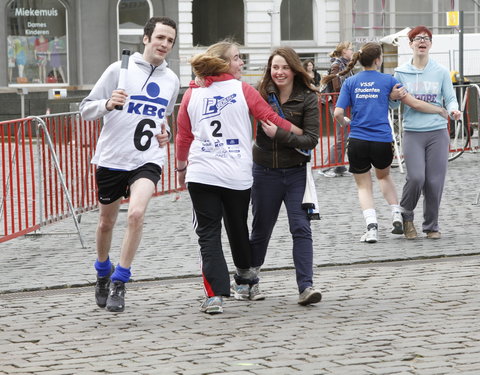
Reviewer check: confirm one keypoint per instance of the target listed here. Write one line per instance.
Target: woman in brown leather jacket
(279, 169)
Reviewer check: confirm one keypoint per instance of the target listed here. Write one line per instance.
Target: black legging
(211, 204)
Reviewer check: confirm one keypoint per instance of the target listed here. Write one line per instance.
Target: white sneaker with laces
(212, 305)
(240, 292)
(309, 296)
(255, 293)
(371, 235)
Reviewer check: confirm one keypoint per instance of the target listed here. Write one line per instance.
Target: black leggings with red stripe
(211, 204)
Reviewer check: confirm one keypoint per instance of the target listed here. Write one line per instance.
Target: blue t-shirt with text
(367, 94)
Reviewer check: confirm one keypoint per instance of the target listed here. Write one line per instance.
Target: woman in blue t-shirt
(370, 140)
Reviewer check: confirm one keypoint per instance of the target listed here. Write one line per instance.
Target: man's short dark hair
(152, 22)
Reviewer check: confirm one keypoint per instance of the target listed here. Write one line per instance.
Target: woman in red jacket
(214, 159)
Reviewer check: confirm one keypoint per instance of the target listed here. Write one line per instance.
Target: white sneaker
(344, 174)
(329, 173)
(255, 293)
(309, 296)
(371, 235)
(212, 305)
(397, 223)
(240, 292)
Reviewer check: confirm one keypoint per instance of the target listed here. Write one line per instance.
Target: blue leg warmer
(103, 268)
(121, 274)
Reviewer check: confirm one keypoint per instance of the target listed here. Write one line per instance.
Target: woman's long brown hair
(295, 64)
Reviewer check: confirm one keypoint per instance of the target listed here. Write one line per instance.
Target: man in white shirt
(130, 154)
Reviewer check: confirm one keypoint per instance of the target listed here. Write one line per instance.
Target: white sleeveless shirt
(221, 151)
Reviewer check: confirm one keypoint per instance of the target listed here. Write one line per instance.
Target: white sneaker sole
(258, 297)
(213, 310)
(367, 240)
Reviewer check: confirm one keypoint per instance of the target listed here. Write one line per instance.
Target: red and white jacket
(215, 131)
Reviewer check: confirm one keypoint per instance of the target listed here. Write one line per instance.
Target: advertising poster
(37, 42)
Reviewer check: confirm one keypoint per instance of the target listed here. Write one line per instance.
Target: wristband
(106, 105)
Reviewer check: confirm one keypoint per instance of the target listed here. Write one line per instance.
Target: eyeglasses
(419, 38)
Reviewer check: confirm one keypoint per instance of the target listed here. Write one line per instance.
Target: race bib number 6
(142, 139)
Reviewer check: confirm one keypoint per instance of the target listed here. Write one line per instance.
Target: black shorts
(113, 184)
(363, 154)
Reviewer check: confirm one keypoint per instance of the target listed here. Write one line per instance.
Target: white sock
(395, 208)
(370, 216)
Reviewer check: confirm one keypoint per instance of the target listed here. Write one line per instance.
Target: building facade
(259, 26)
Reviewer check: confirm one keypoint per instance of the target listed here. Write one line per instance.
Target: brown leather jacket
(300, 109)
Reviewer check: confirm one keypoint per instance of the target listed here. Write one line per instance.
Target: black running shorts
(113, 184)
(363, 154)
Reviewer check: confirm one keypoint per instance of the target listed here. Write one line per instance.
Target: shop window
(296, 20)
(132, 16)
(214, 20)
(37, 50)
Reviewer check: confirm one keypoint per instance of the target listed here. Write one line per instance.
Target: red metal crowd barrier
(43, 161)
(46, 174)
(471, 112)
(328, 137)
(18, 206)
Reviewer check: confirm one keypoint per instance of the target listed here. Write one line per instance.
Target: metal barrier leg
(60, 175)
(396, 149)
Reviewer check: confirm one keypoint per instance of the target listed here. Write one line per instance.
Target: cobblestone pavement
(411, 317)
(394, 307)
